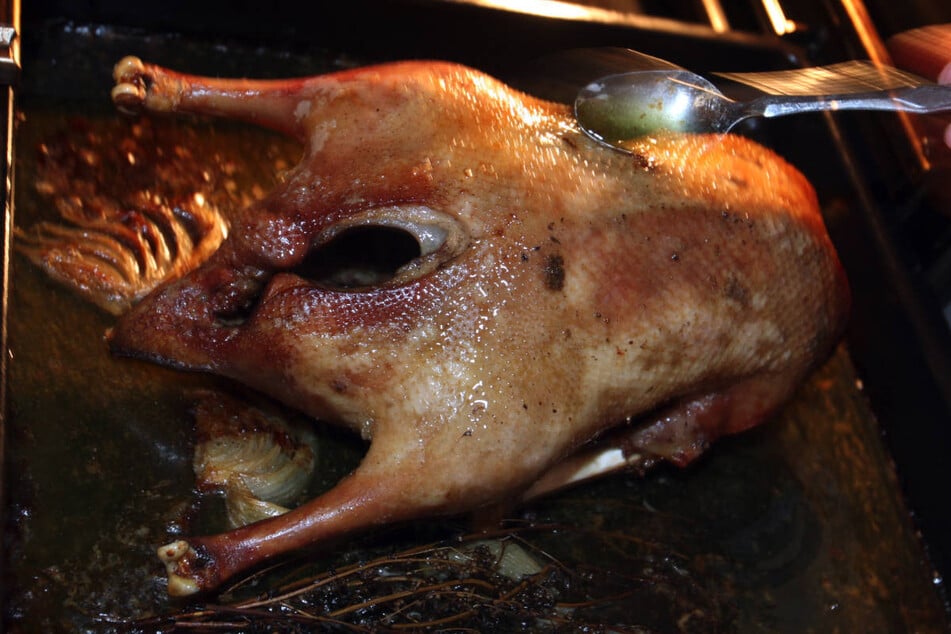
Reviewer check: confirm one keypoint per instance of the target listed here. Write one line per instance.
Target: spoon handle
(919, 99)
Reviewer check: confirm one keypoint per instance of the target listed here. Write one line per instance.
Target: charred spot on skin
(554, 272)
(728, 217)
(643, 162)
(203, 559)
(737, 292)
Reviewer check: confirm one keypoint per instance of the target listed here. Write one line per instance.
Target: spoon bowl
(619, 108)
(625, 106)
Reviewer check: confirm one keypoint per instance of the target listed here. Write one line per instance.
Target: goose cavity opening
(360, 257)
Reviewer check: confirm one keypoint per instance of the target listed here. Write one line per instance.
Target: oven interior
(832, 517)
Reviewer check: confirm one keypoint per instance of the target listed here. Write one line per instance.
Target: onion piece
(261, 462)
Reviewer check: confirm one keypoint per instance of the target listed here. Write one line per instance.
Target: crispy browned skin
(577, 287)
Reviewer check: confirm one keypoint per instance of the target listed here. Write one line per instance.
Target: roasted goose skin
(560, 292)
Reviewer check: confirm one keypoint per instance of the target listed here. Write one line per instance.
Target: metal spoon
(619, 108)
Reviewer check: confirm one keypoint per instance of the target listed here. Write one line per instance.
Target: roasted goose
(498, 304)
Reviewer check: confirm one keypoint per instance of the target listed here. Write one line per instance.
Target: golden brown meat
(548, 291)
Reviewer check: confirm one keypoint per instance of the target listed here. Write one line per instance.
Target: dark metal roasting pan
(833, 517)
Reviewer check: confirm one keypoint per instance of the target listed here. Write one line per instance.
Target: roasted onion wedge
(259, 461)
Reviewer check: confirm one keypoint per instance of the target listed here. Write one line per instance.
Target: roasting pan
(812, 522)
